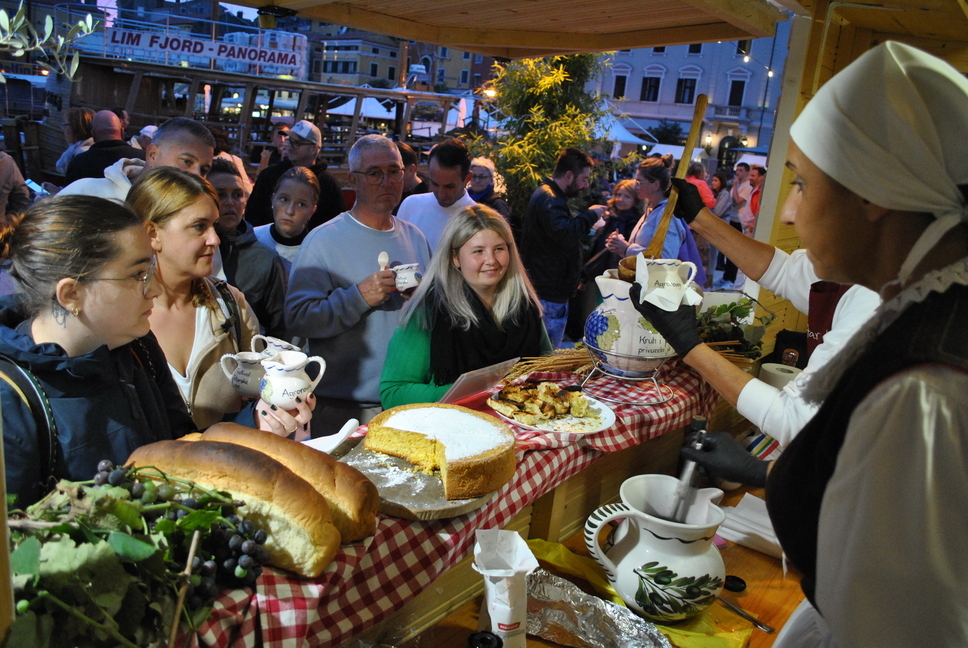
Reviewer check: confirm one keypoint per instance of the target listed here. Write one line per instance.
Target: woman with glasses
(293, 204)
(481, 187)
(198, 319)
(81, 328)
(474, 308)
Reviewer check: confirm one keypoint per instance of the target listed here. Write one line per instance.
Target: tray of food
(546, 407)
(433, 460)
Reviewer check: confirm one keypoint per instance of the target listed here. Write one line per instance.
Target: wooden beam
(755, 17)
(521, 43)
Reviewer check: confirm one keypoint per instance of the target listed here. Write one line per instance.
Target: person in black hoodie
(247, 264)
(302, 148)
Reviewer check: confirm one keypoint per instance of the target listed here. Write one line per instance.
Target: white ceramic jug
(286, 378)
(244, 370)
(271, 345)
(620, 333)
(666, 571)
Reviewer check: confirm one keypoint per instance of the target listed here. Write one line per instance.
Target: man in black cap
(302, 148)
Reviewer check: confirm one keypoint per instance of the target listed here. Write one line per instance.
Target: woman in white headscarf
(869, 500)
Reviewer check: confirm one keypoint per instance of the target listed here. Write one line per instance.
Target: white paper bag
(504, 560)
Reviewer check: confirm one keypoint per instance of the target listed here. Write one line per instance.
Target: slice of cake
(473, 451)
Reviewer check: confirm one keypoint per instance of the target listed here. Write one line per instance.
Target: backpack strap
(230, 309)
(26, 385)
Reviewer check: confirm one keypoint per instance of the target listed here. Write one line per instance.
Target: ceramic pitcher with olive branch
(664, 570)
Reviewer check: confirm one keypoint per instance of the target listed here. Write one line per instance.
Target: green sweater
(406, 375)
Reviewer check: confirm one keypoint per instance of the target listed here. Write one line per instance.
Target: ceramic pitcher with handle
(286, 378)
(617, 333)
(666, 571)
(244, 370)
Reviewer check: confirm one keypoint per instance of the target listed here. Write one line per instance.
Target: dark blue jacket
(105, 404)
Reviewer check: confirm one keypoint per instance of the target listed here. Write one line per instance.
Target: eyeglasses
(481, 176)
(144, 277)
(376, 176)
(296, 144)
(282, 133)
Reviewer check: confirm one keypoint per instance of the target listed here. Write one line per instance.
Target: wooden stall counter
(770, 595)
(409, 575)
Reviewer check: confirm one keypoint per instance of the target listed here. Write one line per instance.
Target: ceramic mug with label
(286, 378)
(407, 276)
(244, 370)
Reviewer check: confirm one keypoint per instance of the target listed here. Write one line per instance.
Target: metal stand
(602, 369)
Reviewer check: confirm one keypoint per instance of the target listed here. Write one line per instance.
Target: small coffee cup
(407, 276)
(245, 371)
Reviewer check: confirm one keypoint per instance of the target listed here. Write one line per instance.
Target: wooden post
(245, 116)
(354, 125)
(192, 93)
(658, 240)
(133, 92)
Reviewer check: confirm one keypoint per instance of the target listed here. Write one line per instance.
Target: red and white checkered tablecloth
(369, 580)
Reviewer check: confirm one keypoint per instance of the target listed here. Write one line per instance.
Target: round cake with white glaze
(473, 451)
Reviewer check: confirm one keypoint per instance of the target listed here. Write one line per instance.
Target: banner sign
(179, 45)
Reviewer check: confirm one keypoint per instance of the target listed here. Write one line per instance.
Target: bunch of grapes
(231, 550)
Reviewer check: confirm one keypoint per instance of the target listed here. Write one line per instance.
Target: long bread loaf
(353, 499)
(302, 537)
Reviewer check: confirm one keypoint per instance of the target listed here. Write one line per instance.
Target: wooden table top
(770, 595)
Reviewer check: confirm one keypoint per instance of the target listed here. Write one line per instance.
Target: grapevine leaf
(165, 526)
(26, 558)
(128, 512)
(31, 630)
(128, 548)
(202, 519)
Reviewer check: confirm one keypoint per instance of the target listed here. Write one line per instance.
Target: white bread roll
(302, 538)
(352, 497)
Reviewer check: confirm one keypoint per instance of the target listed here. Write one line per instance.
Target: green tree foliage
(544, 108)
(668, 132)
(55, 45)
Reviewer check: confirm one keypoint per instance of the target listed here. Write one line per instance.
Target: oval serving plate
(571, 424)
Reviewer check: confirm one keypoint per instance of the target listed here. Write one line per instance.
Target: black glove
(690, 202)
(722, 456)
(680, 328)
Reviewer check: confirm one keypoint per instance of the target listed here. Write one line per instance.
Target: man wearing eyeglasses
(450, 170)
(302, 148)
(342, 295)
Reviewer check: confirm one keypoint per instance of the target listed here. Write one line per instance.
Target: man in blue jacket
(551, 238)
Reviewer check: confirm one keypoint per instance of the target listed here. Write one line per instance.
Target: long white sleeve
(782, 413)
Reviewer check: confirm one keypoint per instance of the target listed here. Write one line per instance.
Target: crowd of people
(132, 283)
(237, 251)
